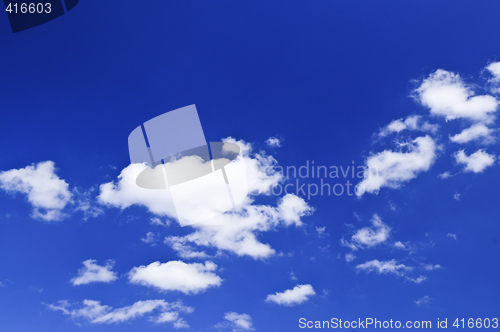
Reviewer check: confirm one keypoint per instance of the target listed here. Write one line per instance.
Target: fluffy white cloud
(476, 162)
(176, 276)
(92, 272)
(410, 123)
(126, 193)
(384, 267)
(299, 294)
(445, 94)
(236, 322)
(260, 169)
(236, 231)
(46, 192)
(391, 169)
(475, 132)
(273, 142)
(372, 236)
(94, 312)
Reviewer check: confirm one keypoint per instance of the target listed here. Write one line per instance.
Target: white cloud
(292, 276)
(349, 257)
(126, 193)
(150, 238)
(177, 276)
(273, 142)
(384, 267)
(400, 245)
(416, 280)
(391, 169)
(424, 301)
(92, 272)
(476, 162)
(431, 267)
(372, 236)
(410, 123)
(453, 236)
(236, 322)
(157, 221)
(183, 249)
(95, 313)
(456, 196)
(475, 132)
(260, 169)
(46, 192)
(321, 231)
(290, 297)
(236, 231)
(445, 94)
(494, 69)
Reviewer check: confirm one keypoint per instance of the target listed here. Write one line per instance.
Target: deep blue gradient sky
(323, 76)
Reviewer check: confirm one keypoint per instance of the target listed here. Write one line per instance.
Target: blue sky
(388, 84)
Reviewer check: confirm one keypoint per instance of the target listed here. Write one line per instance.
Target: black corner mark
(26, 14)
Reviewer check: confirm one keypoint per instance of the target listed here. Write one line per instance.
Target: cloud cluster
(92, 272)
(176, 276)
(290, 297)
(96, 313)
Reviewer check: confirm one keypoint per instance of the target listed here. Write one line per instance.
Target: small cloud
(321, 231)
(290, 297)
(349, 257)
(453, 236)
(92, 272)
(445, 175)
(292, 276)
(369, 236)
(431, 267)
(400, 245)
(157, 221)
(273, 142)
(424, 301)
(476, 162)
(456, 196)
(236, 322)
(176, 276)
(149, 239)
(384, 267)
(416, 280)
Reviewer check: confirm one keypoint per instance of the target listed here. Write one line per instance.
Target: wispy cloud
(95, 313)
